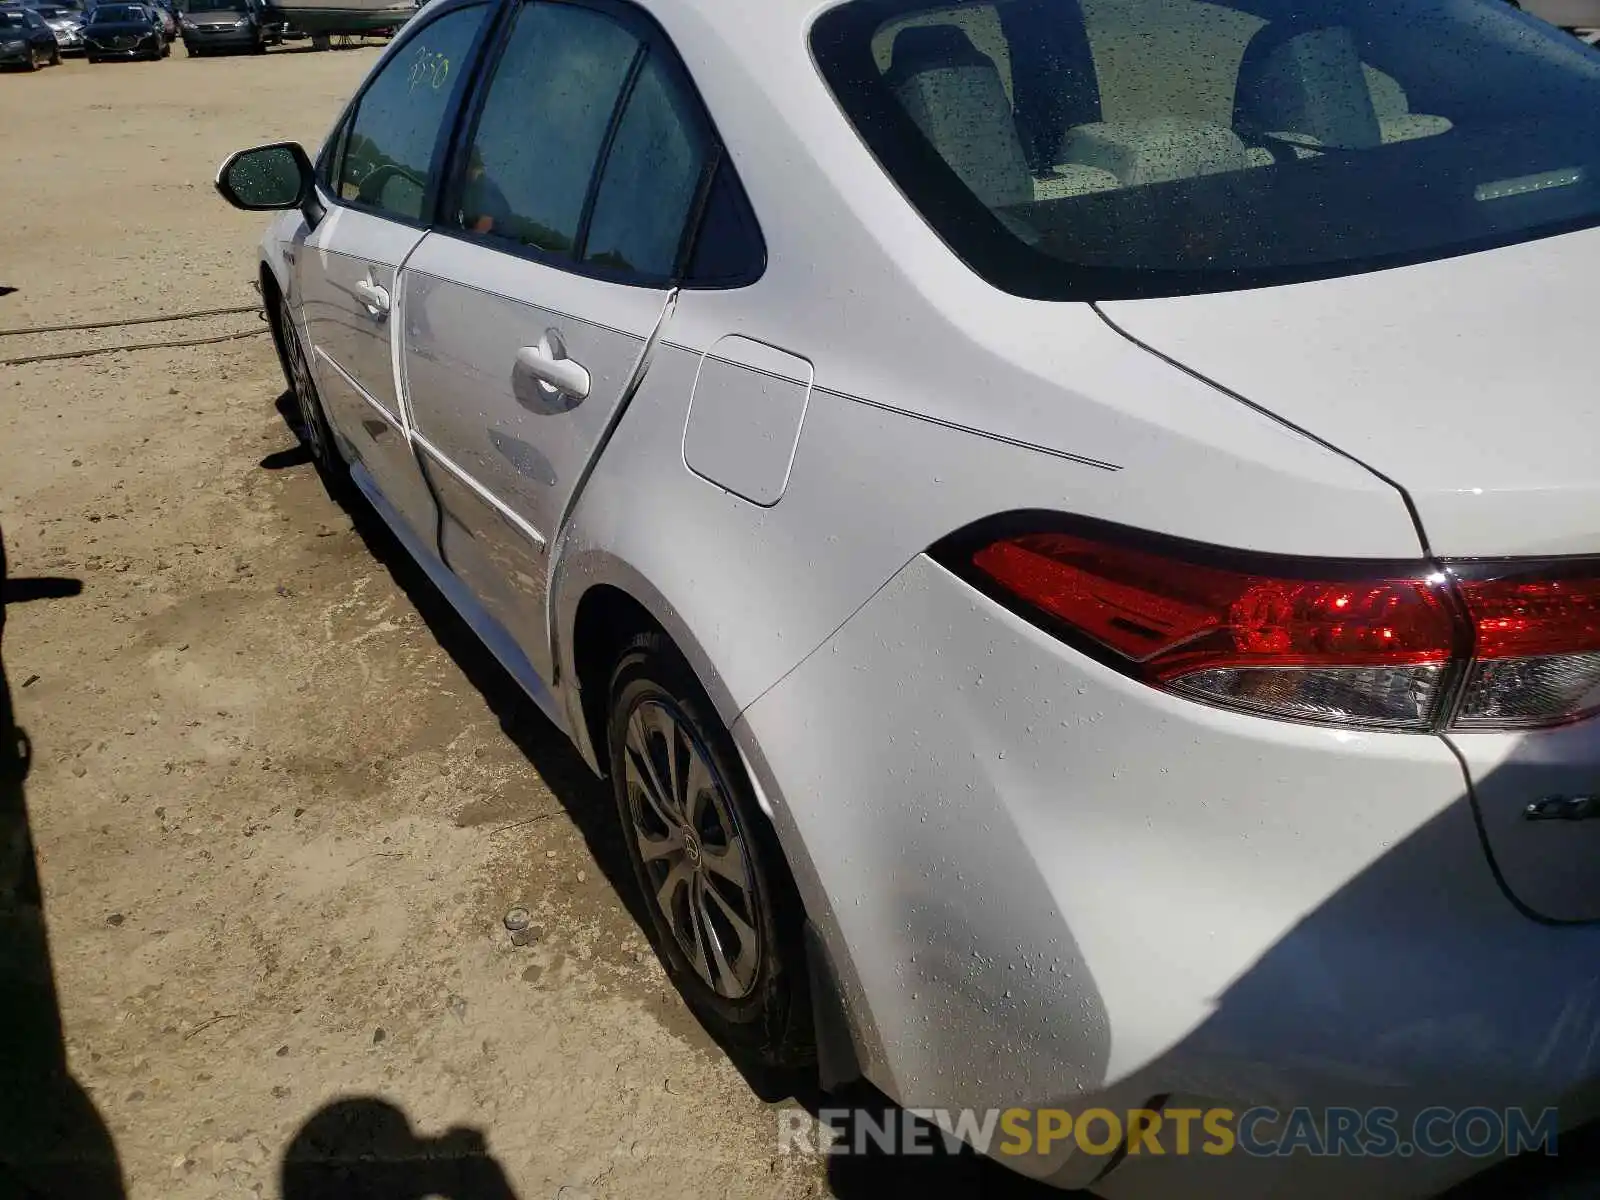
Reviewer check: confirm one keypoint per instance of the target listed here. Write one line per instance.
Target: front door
(381, 183)
(529, 312)
(348, 270)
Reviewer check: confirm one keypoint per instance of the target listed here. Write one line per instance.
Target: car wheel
(259, 46)
(55, 57)
(33, 59)
(725, 917)
(314, 430)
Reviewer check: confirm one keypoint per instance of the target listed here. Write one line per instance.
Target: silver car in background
(66, 24)
(1070, 525)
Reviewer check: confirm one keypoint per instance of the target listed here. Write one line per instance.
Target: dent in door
(745, 414)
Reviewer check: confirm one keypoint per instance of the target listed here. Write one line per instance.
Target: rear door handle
(548, 363)
(374, 297)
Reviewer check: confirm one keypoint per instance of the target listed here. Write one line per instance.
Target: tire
(259, 46)
(735, 950)
(33, 59)
(55, 57)
(313, 428)
(166, 50)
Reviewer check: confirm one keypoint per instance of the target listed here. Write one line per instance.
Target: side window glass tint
(544, 124)
(391, 141)
(728, 248)
(651, 177)
(333, 154)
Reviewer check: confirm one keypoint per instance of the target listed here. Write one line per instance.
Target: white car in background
(1072, 526)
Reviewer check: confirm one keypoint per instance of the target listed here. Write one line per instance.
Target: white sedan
(1072, 526)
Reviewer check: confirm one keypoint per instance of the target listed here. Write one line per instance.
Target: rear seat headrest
(922, 48)
(1308, 81)
(954, 94)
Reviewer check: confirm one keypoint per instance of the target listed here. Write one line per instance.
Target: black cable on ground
(205, 341)
(183, 316)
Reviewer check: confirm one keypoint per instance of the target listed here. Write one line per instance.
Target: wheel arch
(271, 294)
(606, 616)
(606, 602)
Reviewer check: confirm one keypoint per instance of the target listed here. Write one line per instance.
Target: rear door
(529, 312)
(383, 176)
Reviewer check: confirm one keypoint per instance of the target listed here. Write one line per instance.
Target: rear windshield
(1109, 149)
(109, 13)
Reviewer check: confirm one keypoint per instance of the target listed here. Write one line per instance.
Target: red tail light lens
(1323, 648)
(1537, 652)
(1341, 643)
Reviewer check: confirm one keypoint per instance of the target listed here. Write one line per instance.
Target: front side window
(1105, 149)
(387, 159)
(544, 124)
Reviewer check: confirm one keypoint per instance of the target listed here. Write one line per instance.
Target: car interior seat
(1305, 86)
(953, 92)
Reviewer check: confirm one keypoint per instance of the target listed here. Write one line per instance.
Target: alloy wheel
(305, 390)
(692, 847)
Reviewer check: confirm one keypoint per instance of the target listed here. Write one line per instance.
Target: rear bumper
(1045, 885)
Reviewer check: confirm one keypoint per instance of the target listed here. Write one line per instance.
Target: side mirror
(268, 178)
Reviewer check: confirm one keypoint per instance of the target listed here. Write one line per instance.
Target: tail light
(1412, 647)
(1536, 658)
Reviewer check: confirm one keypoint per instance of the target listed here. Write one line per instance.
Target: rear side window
(592, 146)
(651, 177)
(1104, 149)
(544, 126)
(387, 159)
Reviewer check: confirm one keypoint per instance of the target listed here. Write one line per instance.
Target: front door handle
(548, 363)
(374, 297)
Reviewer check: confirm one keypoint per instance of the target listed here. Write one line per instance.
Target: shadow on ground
(53, 1141)
(363, 1148)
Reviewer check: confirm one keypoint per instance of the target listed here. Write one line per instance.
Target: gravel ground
(280, 800)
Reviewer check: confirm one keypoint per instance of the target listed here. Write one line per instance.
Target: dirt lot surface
(280, 800)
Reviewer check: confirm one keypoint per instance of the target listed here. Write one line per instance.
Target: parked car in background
(1066, 524)
(166, 18)
(124, 31)
(210, 26)
(26, 40)
(66, 24)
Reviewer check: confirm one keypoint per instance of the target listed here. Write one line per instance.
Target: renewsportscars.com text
(1260, 1132)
